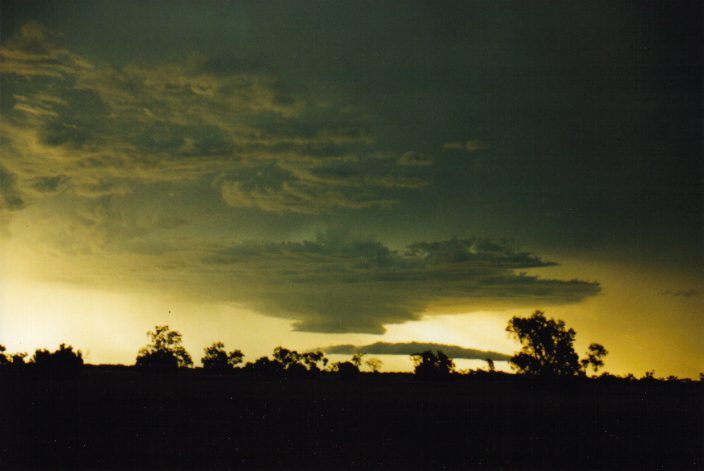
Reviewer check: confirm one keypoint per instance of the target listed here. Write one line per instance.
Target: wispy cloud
(471, 146)
(102, 129)
(681, 293)
(413, 159)
(10, 198)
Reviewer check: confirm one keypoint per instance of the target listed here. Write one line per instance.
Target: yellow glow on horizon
(642, 328)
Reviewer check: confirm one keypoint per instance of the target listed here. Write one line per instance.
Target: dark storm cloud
(163, 137)
(107, 129)
(410, 348)
(339, 284)
(49, 184)
(10, 198)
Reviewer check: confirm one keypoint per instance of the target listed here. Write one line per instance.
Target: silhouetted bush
(157, 362)
(649, 376)
(265, 367)
(11, 360)
(432, 365)
(4, 359)
(346, 369)
(62, 362)
(288, 363)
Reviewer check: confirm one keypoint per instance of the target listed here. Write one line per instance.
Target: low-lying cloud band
(410, 348)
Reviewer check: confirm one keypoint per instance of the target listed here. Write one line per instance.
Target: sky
(311, 174)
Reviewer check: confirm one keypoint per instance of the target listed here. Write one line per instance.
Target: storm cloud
(340, 284)
(202, 152)
(98, 129)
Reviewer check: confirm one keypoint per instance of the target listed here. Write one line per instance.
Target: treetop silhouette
(217, 360)
(547, 348)
(64, 361)
(165, 352)
(11, 359)
(432, 364)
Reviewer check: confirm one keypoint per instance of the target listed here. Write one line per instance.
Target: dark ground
(122, 419)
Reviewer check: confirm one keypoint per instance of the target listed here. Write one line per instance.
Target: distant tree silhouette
(265, 367)
(357, 359)
(290, 361)
(648, 376)
(64, 361)
(4, 358)
(11, 359)
(217, 360)
(374, 364)
(595, 358)
(490, 365)
(314, 361)
(17, 359)
(547, 347)
(165, 352)
(299, 364)
(346, 369)
(432, 365)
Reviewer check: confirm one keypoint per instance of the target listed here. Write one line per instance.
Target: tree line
(547, 350)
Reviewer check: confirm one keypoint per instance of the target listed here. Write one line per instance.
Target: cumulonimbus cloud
(337, 284)
(88, 136)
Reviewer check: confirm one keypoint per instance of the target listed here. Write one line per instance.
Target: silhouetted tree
(648, 376)
(432, 365)
(165, 352)
(265, 367)
(17, 359)
(11, 359)
(548, 347)
(490, 365)
(63, 361)
(216, 359)
(357, 359)
(346, 369)
(314, 361)
(374, 364)
(595, 358)
(287, 358)
(299, 364)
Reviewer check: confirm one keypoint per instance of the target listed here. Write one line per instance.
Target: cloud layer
(95, 129)
(339, 284)
(138, 171)
(410, 348)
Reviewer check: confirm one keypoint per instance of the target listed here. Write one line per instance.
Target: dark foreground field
(121, 419)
